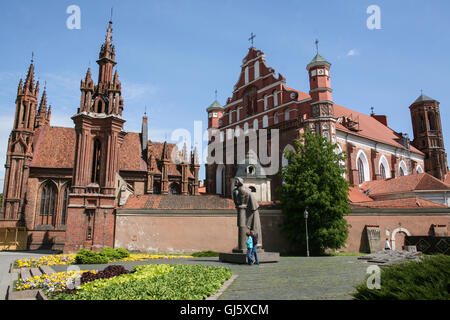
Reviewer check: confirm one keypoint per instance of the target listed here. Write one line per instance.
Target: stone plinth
(239, 257)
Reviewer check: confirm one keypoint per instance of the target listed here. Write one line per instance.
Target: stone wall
(175, 231)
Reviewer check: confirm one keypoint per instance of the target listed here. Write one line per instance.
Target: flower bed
(154, 282)
(49, 283)
(146, 256)
(67, 259)
(53, 260)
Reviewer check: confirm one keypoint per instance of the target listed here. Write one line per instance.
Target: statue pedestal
(239, 256)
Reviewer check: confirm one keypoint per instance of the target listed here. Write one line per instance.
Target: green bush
(428, 279)
(155, 282)
(208, 253)
(85, 256)
(114, 254)
(122, 253)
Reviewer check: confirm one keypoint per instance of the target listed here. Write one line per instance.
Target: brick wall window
(48, 203)
(64, 205)
(361, 171)
(96, 160)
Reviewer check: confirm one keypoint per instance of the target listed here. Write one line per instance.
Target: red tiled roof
(130, 154)
(406, 203)
(414, 182)
(447, 179)
(54, 147)
(301, 95)
(355, 194)
(369, 127)
(158, 201)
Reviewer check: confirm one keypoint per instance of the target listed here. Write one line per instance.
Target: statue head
(238, 182)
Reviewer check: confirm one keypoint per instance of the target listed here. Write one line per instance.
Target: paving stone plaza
(293, 278)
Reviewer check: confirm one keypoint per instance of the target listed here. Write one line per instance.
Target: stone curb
(224, 287)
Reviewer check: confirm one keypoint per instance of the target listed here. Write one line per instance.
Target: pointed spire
(184, 154)
(116, 78)
(43, 104)
(19, 89)
(29, 81)
(49, 113)
(165, 151)
(195, 157)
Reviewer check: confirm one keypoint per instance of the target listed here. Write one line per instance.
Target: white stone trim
(395, 232)
(385, 163)
(402, 165)
(361, 154)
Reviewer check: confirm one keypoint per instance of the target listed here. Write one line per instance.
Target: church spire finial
(252, 37)
(317, 46)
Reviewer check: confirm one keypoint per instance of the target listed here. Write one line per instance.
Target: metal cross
(252, 36)
(371, 109)
(32, 56)
(317, 45)
(215, 92)
(111, 14)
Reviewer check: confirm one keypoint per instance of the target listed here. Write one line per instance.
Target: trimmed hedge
(155, 282)
(85, 256)
(105, 255)
(428, 279)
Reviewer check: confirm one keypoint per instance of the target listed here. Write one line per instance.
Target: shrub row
(85, 256)
(428, 279)
(155, 282)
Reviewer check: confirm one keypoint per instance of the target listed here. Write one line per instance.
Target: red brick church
(63, 184)
(95, 185)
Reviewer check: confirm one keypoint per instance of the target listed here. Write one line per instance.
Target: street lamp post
(306, 224)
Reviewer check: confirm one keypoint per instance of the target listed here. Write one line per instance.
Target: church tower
(20, 151)
(321, 119)
(427, 129)
(99, 134)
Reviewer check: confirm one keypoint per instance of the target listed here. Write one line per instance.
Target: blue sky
(172, 55)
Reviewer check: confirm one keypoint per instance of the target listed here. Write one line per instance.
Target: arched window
(402, 169)
(96, 158)
(238, 113)
(220, 180)
(431, 121)
(382, 172)
(422, 124)
(275, 98)
(419, 169)
(266, 103)
(361, 171)
(265, 121)
(287, 115)
(237, 131)
(284, 160)
(255, 124)
(363, 167)
(246, 75)
(275, 118)
(246, 128)
(65, 203)
(256, 67)
(252, 189)
(385, 172)
(48, 203)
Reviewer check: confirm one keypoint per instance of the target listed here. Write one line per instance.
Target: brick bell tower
(99, 134)
(20, 152)
(321, 119)
(428, 138)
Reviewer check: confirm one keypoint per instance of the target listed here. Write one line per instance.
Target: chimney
(380, 118)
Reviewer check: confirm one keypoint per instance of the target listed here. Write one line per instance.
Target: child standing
(249, 248)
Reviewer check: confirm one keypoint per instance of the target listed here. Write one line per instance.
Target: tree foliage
(313, 180)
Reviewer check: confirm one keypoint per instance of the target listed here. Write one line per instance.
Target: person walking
(249, 248)
(254, 254)
(387, 246)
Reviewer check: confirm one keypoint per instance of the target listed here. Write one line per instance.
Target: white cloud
(352, 52)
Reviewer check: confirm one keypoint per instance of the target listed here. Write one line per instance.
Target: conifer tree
(313, 180)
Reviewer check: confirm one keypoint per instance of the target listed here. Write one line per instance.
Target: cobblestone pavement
(293, 278)
(8, 257)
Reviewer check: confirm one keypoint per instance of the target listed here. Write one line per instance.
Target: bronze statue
(248, 214)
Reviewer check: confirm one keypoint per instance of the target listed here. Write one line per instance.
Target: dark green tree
(313, 180)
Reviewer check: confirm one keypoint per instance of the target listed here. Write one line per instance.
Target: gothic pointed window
(431, 121)
(48, 203)
(382, 171)
(361, 171)
(65, 204)
(422, 124)
(96, 158)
